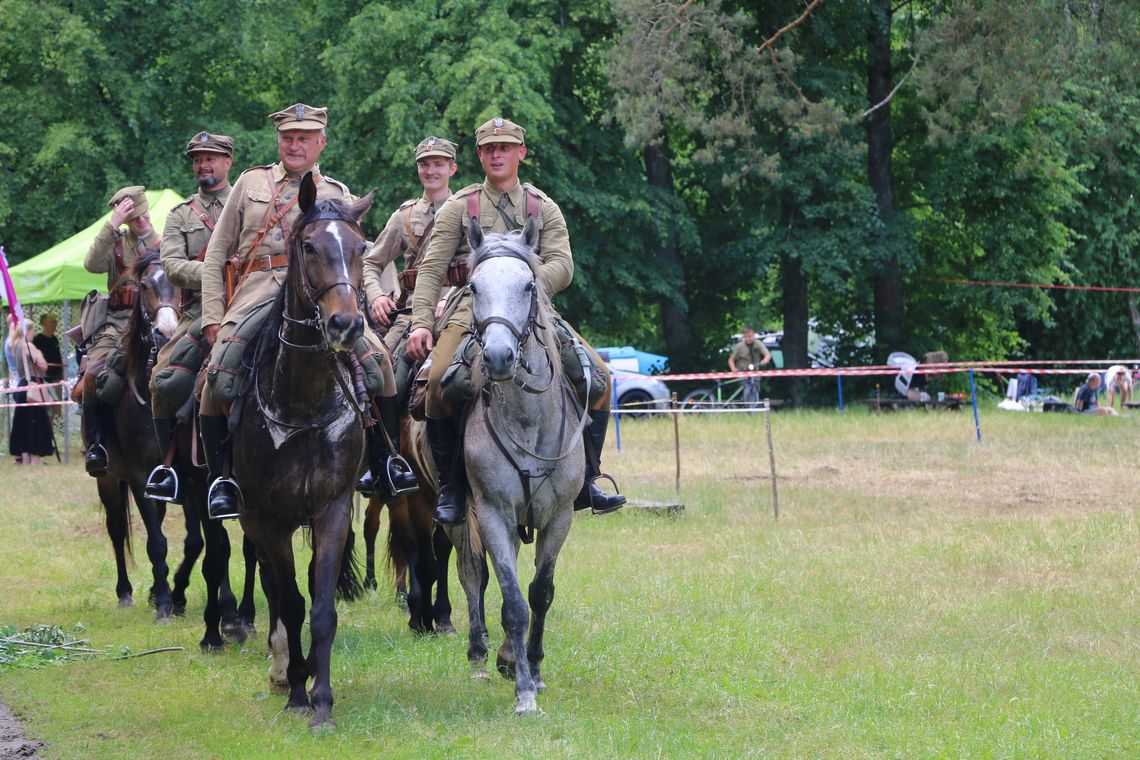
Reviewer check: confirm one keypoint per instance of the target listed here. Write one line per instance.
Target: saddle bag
(371, 363)
(109, 380)
(92, 315)
(227, 376)
(175, 382)
(457, 385)
(576, 364)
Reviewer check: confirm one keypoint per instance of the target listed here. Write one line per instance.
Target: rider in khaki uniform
(250, 237)
(406, 234)
(188, 229)
(503, 205)
(114, 252)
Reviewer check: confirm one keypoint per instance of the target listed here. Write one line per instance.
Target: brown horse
(132, 451)
(299, 441)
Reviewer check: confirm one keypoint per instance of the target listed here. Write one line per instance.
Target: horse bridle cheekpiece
(532, 317)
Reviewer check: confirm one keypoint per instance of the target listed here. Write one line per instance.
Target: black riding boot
(163, 481)
(443, 435)
(224, 498)
(395, 476)
(591, 496)
(95, 460)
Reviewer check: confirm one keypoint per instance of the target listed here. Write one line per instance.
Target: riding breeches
(449, 340)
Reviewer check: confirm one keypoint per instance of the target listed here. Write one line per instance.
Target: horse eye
(473, 290)
(530, 286)
(307, 247)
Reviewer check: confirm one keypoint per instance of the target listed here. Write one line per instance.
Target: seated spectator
(1085, 400)
(1118, 382)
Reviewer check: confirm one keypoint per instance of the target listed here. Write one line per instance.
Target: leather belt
(265, 262)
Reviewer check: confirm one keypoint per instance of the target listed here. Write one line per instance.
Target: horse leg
(371, 529)
(502, 544)
(541, 592)
(441, 610)
(191, 548)
(215, 571)
(409, 550)
(246, 609)
(113, 494)
(333, 527)
(278, 551)
(473, 577)
(152, 515)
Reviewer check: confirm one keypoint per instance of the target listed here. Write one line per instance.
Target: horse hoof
(527, 705)
(211, 647)
(126, 601)
(178, 609)
(163, 616)
(481, 675)
(506, 668)
(445, 628)
(539, 685)
(303, 709)
(236, 632)
(322, 724)
(402, 600)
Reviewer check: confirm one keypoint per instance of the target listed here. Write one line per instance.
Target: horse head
(505, 294)
(326, 250)
(156, 298)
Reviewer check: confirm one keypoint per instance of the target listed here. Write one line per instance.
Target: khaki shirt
(101, 256)
(247, 209)
(396, 239)
(185, 235)
(743, 355)
(449, 239)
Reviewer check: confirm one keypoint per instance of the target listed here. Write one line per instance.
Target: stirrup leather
(152, 480)
(240, 501)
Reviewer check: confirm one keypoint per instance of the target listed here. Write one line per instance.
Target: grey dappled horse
(522, 444)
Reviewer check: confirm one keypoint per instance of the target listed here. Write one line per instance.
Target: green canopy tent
(57, 274)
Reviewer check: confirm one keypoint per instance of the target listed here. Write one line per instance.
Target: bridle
(309, 293)
(151, 335)
(521, 335)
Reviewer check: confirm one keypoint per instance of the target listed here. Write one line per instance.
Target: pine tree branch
(890, 94)
(807, 12)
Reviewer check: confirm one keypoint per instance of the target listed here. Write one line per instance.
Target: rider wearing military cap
(405, 235)
(503, 204)
(251, 235)
(184, 239)
(113, 251)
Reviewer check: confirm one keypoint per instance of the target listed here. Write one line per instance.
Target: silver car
(635, 390)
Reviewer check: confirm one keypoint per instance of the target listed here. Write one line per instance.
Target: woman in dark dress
(31, 436)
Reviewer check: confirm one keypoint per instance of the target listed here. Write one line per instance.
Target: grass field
(920, 595)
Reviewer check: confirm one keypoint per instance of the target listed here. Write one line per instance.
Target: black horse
(299, 441)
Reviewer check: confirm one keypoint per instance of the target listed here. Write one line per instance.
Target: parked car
(633, 389)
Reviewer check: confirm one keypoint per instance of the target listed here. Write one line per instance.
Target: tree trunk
(676, 324)
(795, 289)
(1134, 312)
(886, 279)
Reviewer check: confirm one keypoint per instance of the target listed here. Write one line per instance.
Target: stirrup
(403, 466)
(239, 502)
(617, 494)
(151, 481)
(97, 469)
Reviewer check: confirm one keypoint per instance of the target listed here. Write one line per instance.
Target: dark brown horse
(299, 441)
(132, 451)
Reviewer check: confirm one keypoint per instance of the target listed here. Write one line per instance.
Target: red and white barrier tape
(1012, 367)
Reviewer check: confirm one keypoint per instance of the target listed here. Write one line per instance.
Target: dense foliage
(777, 162)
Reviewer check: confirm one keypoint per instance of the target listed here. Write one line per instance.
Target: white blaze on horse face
(334, 230)
(166, 321)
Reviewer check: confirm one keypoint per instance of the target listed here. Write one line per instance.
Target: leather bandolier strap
(189, 296)
(407, 278)
(233, 284)
(457, 273)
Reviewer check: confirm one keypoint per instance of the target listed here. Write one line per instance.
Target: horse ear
(360, 208)
(530, 232)
(474, 234)
(308, 195)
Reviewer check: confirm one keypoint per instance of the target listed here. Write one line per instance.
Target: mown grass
(920, 595)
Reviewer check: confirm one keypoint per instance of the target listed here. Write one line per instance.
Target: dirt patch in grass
(13, 742)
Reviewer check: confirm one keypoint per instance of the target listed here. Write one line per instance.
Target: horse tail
(473, 539)
(125, 505)
(401, 536)
(349, 587)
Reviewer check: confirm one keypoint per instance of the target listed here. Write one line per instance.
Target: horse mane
(265, 341)
(511, 245)
(137, 352)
